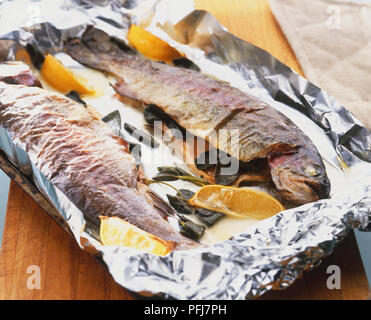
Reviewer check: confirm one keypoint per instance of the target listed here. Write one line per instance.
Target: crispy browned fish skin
(201, 104)
(81, 156)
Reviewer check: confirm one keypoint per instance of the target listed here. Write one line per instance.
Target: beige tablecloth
(332, 41)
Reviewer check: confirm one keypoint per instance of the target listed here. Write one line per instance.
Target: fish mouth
(300, 189)
(320, 187)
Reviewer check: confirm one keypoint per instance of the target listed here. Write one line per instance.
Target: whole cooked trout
(205, 107)
(82, 157)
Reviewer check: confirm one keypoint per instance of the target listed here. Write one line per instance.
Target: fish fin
(123, 90)
(162, 207)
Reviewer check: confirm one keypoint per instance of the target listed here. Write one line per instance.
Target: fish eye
(313, 172)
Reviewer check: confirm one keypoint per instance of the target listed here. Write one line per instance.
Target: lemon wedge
(151, 46)
(117, 232)
(61, 78)
(237, 202)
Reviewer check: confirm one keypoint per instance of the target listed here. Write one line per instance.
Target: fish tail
(97, 50)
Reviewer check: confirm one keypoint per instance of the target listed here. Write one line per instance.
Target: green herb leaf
(209, 217)
(165, 177)
(113, 119)
(186, 194)
(180, 205)
(190, 229)
(141, 136)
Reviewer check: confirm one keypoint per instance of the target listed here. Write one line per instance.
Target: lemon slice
(117, 232)
(237, 202)
(151, 46)
(61, 78)
(22, 55)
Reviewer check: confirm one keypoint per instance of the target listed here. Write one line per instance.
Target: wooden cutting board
(32, 238)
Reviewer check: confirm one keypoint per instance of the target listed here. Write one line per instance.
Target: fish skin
(83, 158)
(15, 72)
(205, 106)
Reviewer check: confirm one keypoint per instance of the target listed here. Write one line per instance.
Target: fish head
(299, 175)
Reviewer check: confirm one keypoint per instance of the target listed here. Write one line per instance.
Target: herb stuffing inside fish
(205, 106)
(80, 155)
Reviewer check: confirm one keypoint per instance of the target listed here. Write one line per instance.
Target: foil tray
(271, 254)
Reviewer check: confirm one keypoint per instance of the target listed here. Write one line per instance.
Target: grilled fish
(82, 157)
(205, 106)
